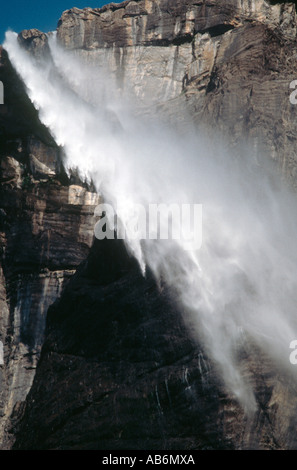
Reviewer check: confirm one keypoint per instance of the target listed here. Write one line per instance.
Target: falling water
(242, 281)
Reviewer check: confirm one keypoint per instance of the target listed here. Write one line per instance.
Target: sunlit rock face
(149, 22)
(226, 65)
(156, 48)
(35, 42)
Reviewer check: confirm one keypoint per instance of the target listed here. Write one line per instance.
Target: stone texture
(164, 22)
(120, 370)
(226, 66)
(35, 42)
(119, 38)
(246, 92)
(124, 367)
(45, 233)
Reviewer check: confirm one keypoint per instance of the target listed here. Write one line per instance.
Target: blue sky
(40, 14)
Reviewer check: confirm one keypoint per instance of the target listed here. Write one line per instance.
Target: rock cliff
(227, 64)
(46, 230)
(120, 370)
(117, 350)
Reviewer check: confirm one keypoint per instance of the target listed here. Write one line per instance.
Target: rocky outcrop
(35, 42)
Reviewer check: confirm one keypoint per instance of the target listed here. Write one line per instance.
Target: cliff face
(46, 230)
(225, 64)
(120, 370)
(165, 22)
(117, 351)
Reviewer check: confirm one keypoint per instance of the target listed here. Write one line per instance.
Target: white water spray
(242, 282)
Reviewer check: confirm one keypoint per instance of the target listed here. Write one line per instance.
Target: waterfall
(241, 282)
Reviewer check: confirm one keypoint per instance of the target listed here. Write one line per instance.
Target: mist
(241, 283)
